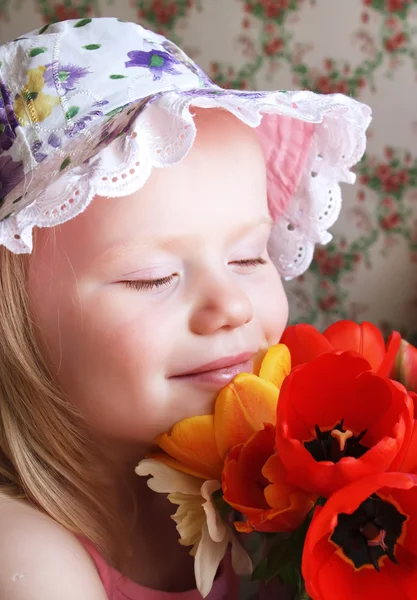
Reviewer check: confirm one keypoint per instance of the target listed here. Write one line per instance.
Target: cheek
(113, 365)
(116, 336)
(271, 307)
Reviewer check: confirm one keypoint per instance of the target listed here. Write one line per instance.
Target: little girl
(130, 293)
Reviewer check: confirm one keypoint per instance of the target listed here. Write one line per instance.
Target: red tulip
(337, 421)
(254, 483)
(305, 342)
(405, 371)
(362, 543)
(405, 367)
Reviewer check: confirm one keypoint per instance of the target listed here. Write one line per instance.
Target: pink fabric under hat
(286, 143)
(89, 107)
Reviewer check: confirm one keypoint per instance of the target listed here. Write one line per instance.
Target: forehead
(219, 184)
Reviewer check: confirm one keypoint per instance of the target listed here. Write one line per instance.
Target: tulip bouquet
(315, 456)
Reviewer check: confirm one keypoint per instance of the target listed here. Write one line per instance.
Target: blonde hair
(46, 453)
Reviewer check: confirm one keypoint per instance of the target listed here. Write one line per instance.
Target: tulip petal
(360, 585)
(276, 365)
(242, 408)
(409, 463)
(405, 367)
(207, 560)
(393, 346)
(192, 442)
(304, 343)
(238, 492)
(321, 392)
(165, 480)
(365, 339)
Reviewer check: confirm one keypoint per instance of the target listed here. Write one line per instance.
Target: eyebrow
(131, 246)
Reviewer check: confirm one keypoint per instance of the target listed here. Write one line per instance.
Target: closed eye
(150, 284)
(162, 282)
(250, 262)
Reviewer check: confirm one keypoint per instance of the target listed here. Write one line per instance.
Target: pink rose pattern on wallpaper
(380, 214)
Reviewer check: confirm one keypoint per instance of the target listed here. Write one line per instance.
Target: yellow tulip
(198, 445)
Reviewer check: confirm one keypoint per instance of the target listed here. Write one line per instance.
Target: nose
(221, 303)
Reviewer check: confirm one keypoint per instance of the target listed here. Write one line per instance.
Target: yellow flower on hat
(32, 105)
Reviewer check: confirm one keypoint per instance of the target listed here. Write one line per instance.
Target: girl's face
(144, 303)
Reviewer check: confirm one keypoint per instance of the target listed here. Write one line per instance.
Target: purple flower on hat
(54, 140)
(11, 173)
(157, 61)
(36, 151)
(82, 123)
(8, 121)
(68, 76)
(186, 60)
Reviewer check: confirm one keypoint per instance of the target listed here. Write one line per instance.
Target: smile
(220, 372)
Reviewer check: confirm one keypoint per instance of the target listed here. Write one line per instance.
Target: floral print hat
(89, 107)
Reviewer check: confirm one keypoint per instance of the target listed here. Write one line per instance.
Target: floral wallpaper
(364, 48)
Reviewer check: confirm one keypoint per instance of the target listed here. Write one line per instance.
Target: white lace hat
(89, 107)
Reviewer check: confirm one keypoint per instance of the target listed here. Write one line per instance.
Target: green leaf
(71, 112)
(279, 557)
(156, 61)
(65, 163)
(82, 23)
(43, 29)
(30, 96)
(63, 75)
(36, 51)
(92, 47)
(116, 111)
(117, 76)
(302, 69)
(283, 558)
(291, 576)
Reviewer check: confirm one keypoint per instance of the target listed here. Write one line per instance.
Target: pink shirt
(118, 587)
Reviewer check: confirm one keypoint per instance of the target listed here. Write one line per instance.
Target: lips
(226, 363)
(217, 374)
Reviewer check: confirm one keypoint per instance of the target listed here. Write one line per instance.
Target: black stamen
(325, 447)
(361, 435)
(370, 532)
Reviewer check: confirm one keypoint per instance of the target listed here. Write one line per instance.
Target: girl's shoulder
(41, 560)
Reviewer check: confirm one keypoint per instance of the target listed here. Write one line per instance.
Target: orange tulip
(254, 483)
(198, 445)
(305, 342)
(193, 446)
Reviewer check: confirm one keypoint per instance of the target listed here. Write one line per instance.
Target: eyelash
(150, 284)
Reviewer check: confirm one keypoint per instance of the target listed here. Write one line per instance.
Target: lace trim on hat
(163, 134)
